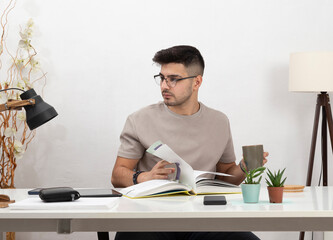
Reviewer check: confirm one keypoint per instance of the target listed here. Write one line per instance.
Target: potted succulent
(251, 186)
(275, 186)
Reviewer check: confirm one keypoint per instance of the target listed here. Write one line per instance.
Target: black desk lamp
(38, 112)
(313, 72)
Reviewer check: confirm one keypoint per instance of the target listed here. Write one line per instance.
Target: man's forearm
(238, 175)
(122, 177)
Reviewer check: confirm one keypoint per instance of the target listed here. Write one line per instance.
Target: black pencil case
(59, 194)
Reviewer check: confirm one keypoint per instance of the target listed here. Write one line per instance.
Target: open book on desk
(190, 181)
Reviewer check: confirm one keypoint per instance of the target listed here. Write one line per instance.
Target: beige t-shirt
(202, 139)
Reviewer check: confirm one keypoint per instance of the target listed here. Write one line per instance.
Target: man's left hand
(265, 160)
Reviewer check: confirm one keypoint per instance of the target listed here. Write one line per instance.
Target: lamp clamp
(16, 104)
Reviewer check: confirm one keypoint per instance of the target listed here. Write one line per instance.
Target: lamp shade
(39, 113)
(311, 72)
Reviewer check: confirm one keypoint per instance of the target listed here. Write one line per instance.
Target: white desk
(311, 210)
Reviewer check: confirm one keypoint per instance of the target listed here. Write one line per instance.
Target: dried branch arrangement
(23, 71)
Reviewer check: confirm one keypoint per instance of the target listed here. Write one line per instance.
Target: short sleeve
(130, 146)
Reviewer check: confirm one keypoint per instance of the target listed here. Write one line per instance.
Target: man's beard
(179, 101)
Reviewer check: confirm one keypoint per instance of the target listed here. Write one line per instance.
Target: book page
(164, 152)
(153, 187)
(198, 173)
(203, 190)
(214, 182)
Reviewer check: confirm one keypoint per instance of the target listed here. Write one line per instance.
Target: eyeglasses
(171, 81)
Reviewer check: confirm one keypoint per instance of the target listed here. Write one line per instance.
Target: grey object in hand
(253, 156)
(175, 175)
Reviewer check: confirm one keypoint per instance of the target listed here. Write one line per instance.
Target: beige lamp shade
(311, 72)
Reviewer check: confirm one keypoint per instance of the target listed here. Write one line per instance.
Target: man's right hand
(122, 174)
(157, 172)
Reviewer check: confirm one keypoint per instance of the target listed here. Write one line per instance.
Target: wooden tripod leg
(324, 145)
(301, 236)
(313, 143)
(330, 122)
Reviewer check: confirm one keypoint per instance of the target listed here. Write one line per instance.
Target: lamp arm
(16, 104)
(8, 89)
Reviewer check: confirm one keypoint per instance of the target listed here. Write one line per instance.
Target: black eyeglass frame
(168, 82)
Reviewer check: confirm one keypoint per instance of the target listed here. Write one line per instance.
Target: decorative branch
(22, 73)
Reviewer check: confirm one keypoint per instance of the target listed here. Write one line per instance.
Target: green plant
(275, 179)
(252, 174)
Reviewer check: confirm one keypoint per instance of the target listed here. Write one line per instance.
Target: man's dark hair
(189, 56)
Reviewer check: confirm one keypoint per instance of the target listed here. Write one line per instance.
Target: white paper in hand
(164, 152)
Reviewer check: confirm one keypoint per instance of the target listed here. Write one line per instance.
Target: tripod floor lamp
(313, 72)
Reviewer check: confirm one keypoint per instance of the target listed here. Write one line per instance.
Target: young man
(198, 134)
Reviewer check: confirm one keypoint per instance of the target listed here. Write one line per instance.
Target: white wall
(98, 58)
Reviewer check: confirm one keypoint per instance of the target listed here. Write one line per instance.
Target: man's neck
(188, 109)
